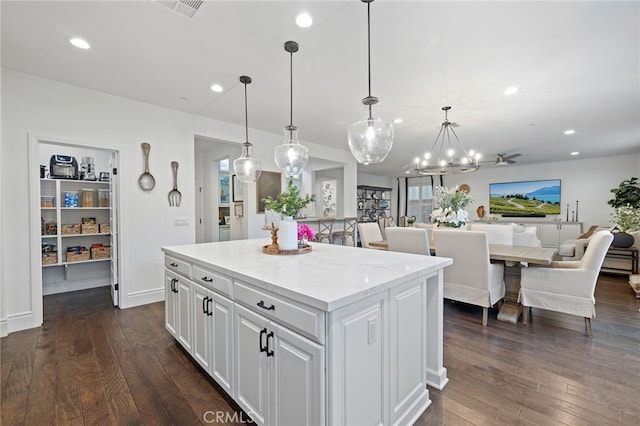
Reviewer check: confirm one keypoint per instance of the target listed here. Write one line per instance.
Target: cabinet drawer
(179, 266)
(305, 319)
(212, 280)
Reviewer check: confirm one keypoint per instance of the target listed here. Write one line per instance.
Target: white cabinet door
(170, 311)
(569, 231)
(201, 326)
(297, 379)
(221, 310)
(184, 312)
(548, 234)
(252, 378)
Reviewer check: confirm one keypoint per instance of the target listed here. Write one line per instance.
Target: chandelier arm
(460, 144)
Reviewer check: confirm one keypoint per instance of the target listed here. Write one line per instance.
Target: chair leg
(485, 316)
(587, 325)
(525, 314)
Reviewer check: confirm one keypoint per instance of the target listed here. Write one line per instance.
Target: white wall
(588, 181)
(55, 111)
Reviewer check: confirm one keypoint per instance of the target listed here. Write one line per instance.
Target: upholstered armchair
(566, 286)
(472, 278)
(408, 240)
(369, 232)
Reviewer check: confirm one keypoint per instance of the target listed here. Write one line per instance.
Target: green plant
(627, 218)
(627, 193)
(289, 202)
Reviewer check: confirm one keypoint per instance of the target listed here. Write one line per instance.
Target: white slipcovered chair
(408, 240)
(496, 233)
(369, 232)
(384, 223)
(566, 286)
(472, 278)
(429, 227)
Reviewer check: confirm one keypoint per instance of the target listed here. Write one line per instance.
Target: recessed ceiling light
(304, 20)
(575, 153)
(397, 121)
(79, 43)
(216, 88)
(569, 132)
(511, 90)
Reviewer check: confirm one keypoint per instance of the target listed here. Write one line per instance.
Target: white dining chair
(408, 240)
(369, 232)
(566, 286)
(496, 233)
(472, 278)
(429, 227)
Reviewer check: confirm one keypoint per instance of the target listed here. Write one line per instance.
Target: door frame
(34, 142)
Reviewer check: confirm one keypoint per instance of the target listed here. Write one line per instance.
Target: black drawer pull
(268, 308)
(207, 279)
(175, 265)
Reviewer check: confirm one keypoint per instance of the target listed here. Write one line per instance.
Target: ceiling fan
(504, 159)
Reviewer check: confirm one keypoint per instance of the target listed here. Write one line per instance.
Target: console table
(627, 255)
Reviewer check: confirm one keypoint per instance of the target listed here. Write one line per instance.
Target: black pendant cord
(369, 53)
(246, 115)
(291, 91)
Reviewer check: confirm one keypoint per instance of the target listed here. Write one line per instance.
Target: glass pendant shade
(291, 157)
(247, 168)
(370, 139)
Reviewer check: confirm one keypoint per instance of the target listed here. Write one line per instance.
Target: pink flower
(305, 230)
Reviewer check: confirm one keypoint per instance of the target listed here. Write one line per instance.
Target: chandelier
(371, 138)
(246, 167)
(290, 156)
(447, 156)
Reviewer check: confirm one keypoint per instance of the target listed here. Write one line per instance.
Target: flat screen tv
(527, 198)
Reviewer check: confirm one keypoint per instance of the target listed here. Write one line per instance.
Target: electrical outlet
(181, 221)
(371, 333)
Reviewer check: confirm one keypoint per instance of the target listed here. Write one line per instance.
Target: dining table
(515, 258)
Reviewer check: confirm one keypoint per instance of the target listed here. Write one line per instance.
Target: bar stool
(325, 229)
(348, 230)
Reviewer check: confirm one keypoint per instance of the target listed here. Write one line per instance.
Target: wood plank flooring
(91, 364)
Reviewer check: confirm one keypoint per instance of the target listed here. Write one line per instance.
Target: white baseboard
(142, 298)
(3, 328)
(18, 322)
(67, 286)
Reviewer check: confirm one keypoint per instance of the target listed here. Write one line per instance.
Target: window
(420, 198)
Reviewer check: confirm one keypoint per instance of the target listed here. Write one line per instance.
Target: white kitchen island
(338, 336)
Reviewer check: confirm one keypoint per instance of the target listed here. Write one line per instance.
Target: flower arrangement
(627, 218)
(305, 232)
(451, 204)
(288, 203)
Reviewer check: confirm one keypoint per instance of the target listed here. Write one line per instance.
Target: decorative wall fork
(175, 196)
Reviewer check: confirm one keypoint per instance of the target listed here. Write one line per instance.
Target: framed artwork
(227, 220)
(238, 209)
(329, 198)
(238, 190)
(268, 184)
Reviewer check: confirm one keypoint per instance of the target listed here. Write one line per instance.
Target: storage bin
(88, 198)
(70, 229)
(71, 199)
(103, 198)
(78, 257)
(89, 228)
(102, 252)
(105, 228)
(49, 258)
(47, 201)
(88, 220)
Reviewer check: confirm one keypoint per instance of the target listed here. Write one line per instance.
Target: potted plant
(626, 202)
(288, 204)
(451, 204)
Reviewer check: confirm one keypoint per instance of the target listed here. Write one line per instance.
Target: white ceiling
(577, 65)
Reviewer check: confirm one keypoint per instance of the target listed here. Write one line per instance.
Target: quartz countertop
(329, 277)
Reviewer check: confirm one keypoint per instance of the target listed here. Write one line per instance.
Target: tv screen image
(534, 197)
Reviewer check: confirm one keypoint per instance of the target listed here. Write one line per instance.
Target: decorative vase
(288, 234)
(622, 240)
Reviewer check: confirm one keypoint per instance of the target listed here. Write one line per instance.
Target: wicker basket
(49, 258)
(89, 228)
(105, 228)
(70, 229)
(78, 257)
(101, 252)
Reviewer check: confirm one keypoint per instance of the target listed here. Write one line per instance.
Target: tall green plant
(627, 193)
(288, 203)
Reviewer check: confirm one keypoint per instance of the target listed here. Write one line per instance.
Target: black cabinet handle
(175, 287)
(268, 308)
(269, 352)
(204, 302)
(175, 265)
(173, 284)
(262, 333)
(207, 279)
(209, 312)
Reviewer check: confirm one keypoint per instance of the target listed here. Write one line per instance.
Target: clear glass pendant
(247, 169)
(370, 139)
(291, 157)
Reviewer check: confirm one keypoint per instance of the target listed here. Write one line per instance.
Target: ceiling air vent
(184, 7)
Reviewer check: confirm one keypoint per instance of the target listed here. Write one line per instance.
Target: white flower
(451, 203)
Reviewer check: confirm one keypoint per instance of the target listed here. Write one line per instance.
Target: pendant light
(371, 138)
(246, 167)
(291, 157)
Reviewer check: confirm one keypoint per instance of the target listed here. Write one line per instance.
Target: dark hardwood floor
(91, 364)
